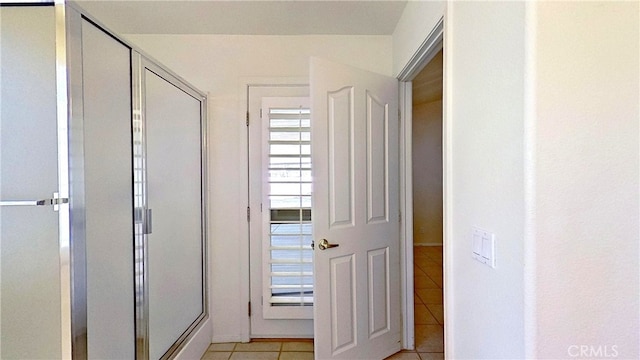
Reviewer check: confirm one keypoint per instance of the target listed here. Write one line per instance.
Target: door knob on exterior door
(324, 244)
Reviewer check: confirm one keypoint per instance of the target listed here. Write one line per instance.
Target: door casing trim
(434, 42)
(245, 245)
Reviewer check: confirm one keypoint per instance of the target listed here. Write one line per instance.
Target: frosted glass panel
(108, 197)
(30, 314)
(174, 196)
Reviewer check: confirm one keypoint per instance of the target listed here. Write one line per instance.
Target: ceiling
(262, 17)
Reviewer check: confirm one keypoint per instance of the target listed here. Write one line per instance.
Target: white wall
(415, 24)
(587, 178)
(427, 172)
(484, 72)
(542, 138)
(484, 53)
(576, 150)
(219, 64)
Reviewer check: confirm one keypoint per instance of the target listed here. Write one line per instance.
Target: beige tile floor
(429, 328)
(429, 316)
(261, 350)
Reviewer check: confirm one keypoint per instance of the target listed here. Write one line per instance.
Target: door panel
(355, 204)
(343, 303)
(377, 176)
(108, 197)
(175, 247)
(341, 124)
(30, 293)
(379, 296)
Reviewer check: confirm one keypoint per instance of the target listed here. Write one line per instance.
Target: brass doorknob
(324, 244)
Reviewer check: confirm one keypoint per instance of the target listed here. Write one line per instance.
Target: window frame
(280, 311)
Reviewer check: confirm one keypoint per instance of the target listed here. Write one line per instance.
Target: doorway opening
(427, 193)
(355, 210)
(279, 214)
(423, 262)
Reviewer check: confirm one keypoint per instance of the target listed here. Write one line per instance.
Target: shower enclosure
(102, 193)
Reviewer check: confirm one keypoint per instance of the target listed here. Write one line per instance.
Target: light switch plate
(488, 250)
(477, 243)
(483, 247)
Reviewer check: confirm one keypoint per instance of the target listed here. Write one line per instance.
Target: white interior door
(354, 135)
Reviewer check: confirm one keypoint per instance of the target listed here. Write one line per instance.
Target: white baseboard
(199, 343)
(284, 336)
(226, 338)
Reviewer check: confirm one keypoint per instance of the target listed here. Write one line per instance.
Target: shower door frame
(71, 215)
(141, 63)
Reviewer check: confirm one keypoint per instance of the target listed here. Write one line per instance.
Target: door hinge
(249, 308)
(260, 113)
(248, 214)
(247, 118)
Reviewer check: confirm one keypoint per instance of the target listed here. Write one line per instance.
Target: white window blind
(287, 218)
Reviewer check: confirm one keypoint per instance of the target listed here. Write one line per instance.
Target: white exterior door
(354, 132)
(270, 319)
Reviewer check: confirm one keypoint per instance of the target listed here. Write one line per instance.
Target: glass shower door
(175, 244)
(30, 264)
(172, 298)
